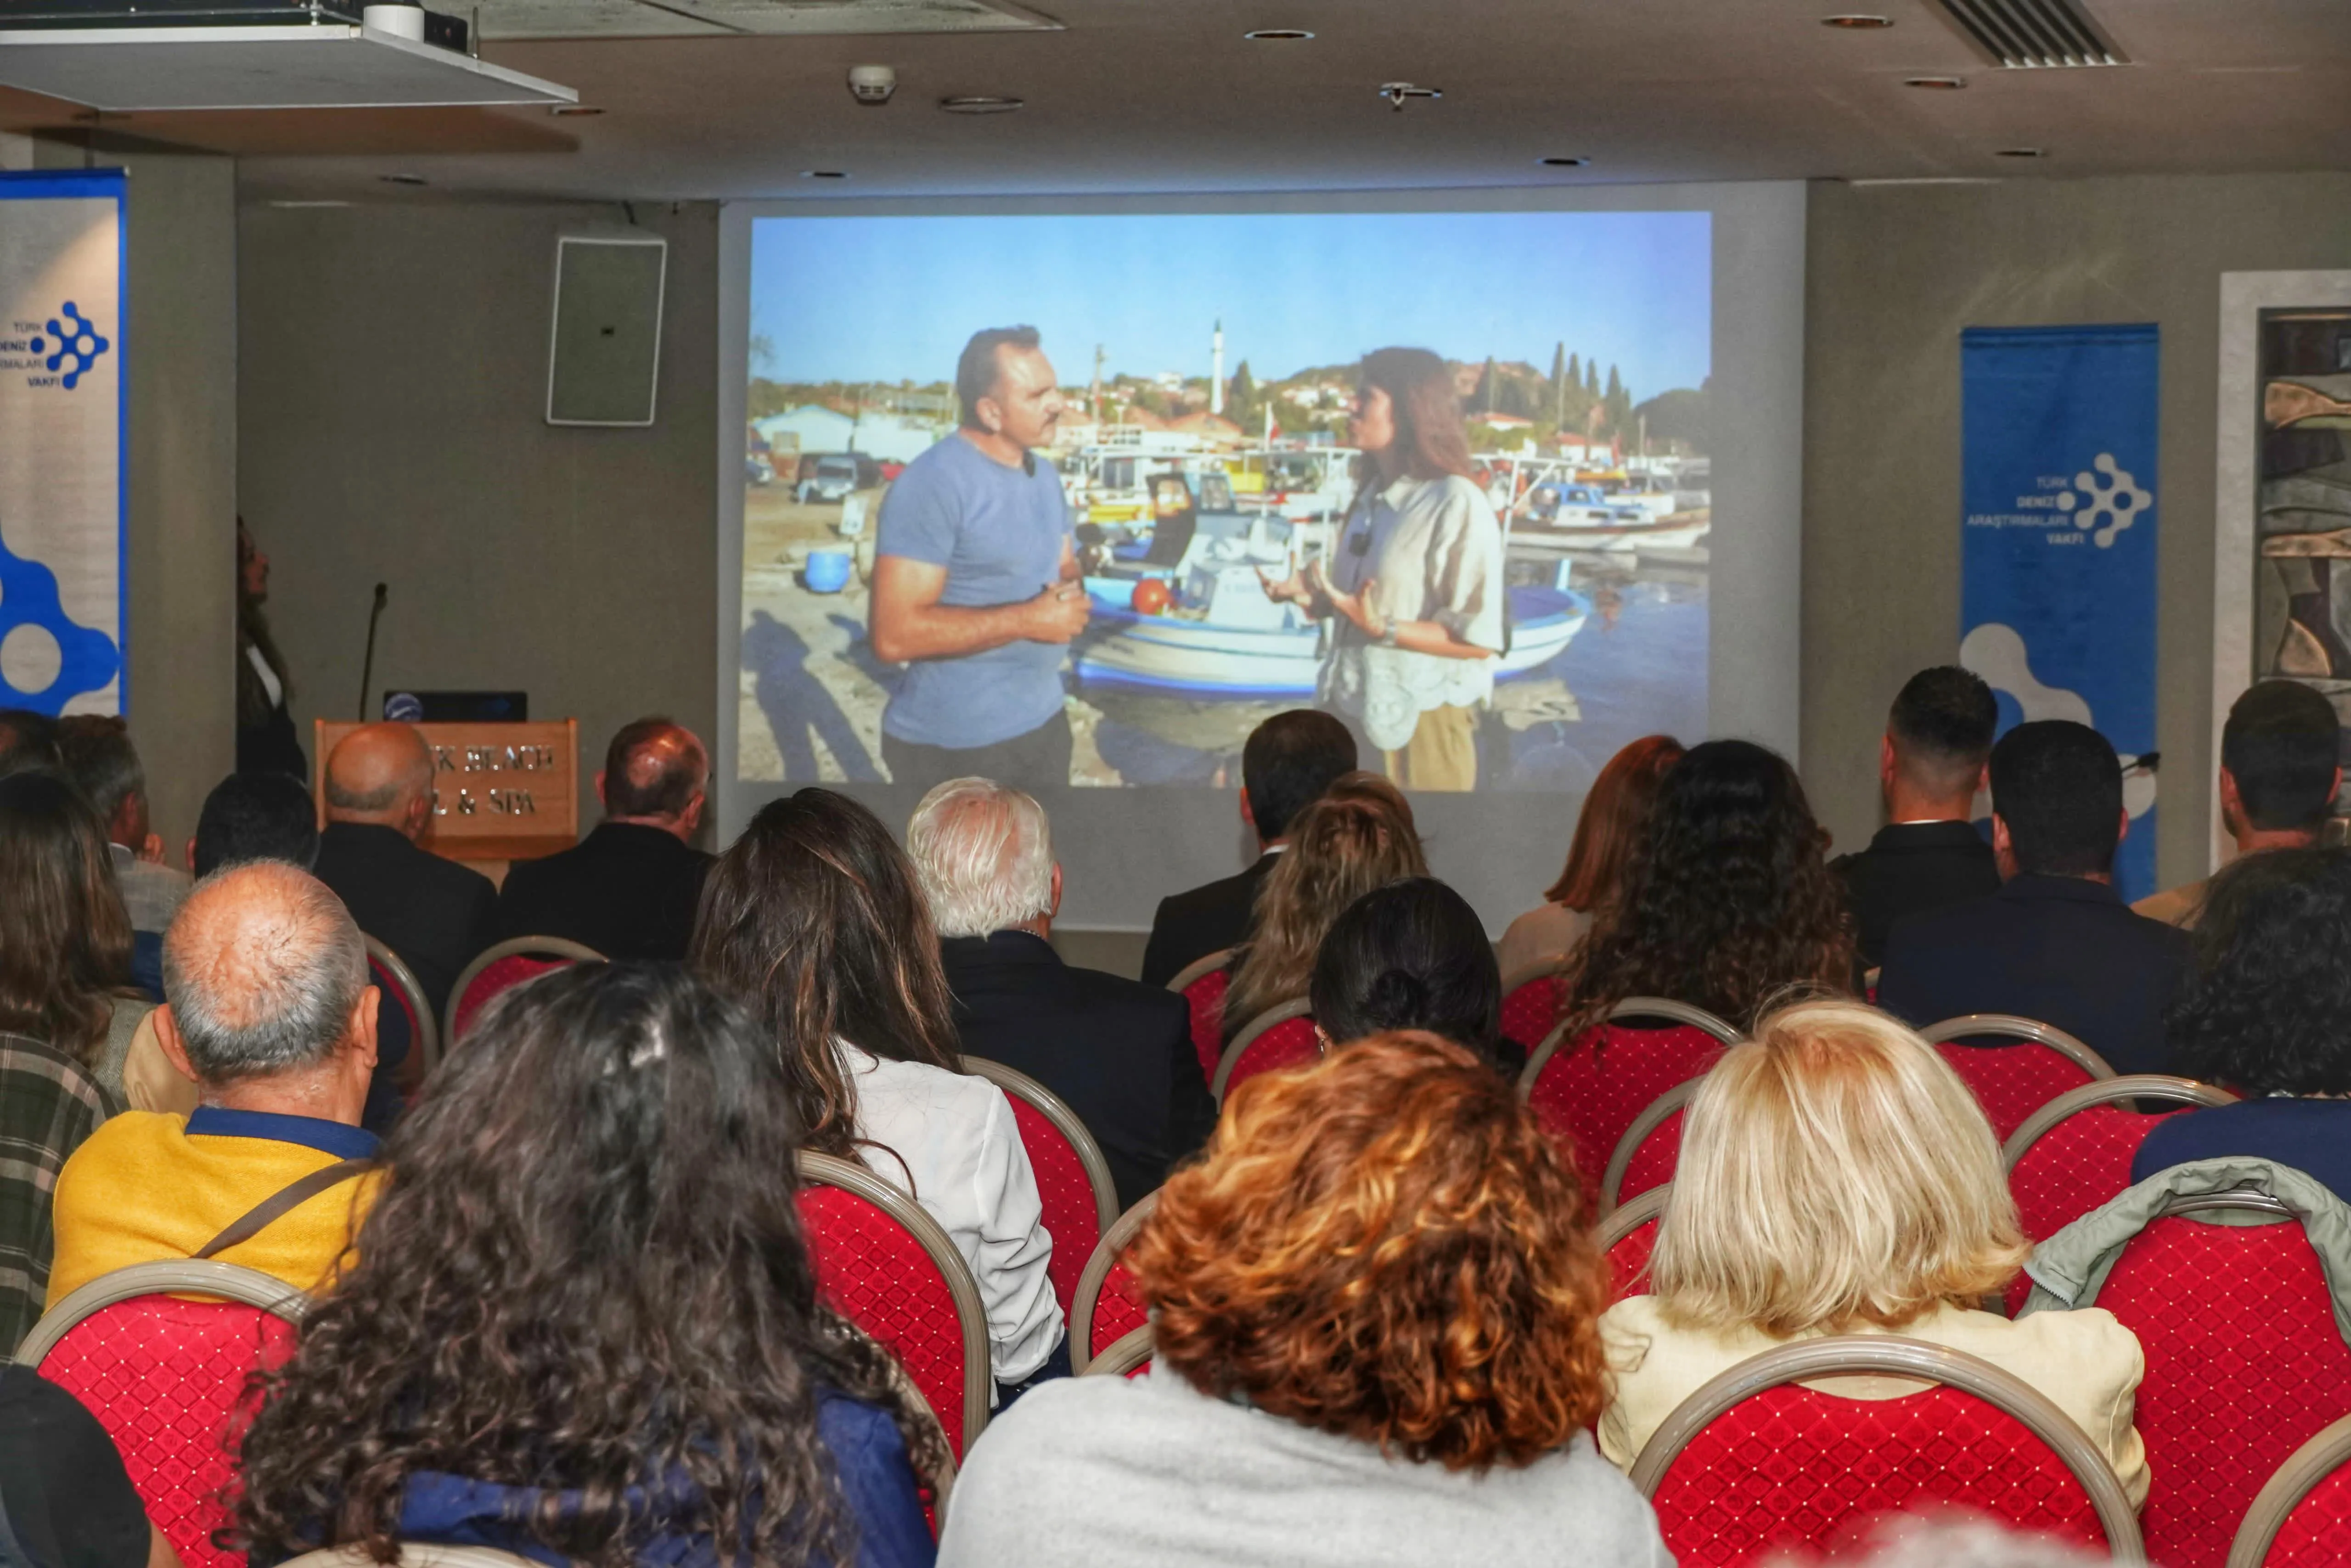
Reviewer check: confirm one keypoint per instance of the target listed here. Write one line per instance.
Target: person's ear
(1885, 759)
(192, 855)
(600, 790)
(691, 818)
(1249, 817)
(991, 415)
(175, 1050)
(1056, 908)
(358, 1033)
(2232, 801)
(2124, 831)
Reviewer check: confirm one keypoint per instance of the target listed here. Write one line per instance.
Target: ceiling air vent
(2033, 35)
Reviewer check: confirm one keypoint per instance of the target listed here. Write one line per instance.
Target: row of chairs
(497, 968)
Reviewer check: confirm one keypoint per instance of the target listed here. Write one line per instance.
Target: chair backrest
(1588, 1090)
(1281, 1035)
(1754, 1464)
(1531, 998)
(1072, 1178)
(502, 964)
(1627, 1237)
(2031, 1064)
(1202, 984)
(1129, 1356)
(2301, 1518)
(888, 1267)
(402, 993)
(166, 1378)
(1107, 1306)
(1646, 1154)
(2245, 1364)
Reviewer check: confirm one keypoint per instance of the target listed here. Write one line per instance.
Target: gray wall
(393, 409)
(1895, 273)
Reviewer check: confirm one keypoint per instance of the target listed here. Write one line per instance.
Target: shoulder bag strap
(251, 1223)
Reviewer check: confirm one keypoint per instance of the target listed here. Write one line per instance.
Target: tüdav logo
(56, 353)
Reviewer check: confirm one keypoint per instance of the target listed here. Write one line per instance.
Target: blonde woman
(1359, 836)
(1836, 1177)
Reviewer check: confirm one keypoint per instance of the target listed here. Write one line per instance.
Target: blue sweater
(2314, 1136)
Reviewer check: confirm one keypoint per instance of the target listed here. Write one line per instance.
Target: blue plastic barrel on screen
(828, 570)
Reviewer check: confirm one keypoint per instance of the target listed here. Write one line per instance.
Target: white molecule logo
(2110, 493)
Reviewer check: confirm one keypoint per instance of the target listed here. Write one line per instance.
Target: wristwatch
(1387, 638)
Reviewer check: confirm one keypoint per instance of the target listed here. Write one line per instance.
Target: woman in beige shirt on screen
(1836, 1177)
(1414, 581)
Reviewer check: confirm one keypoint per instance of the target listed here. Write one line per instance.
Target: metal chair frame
(1115, 1242)
(2015, 1027)
(1892, 1355)
(1123, 1355)
(2284, 1492)
(165, 1276)
(1619, 1223)
(1056, 1109)
(1280, 1013)
(971, 1310)
(427, 1043)
(1630, 1008)
(1200, 966)
(513, 948)
(2107, 1091)
(1652, 1116)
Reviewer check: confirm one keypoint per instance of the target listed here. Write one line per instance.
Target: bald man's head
(381, 773)
(655, 771)
(264, 969)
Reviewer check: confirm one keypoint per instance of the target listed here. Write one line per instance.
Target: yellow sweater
(149, 1186)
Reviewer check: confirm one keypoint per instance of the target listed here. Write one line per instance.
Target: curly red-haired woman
(1376, 1302)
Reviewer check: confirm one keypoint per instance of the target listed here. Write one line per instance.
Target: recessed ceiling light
(975, 103)
(2022, 152)
(824, 173)
(1936, 84)
(572, 109)
(403, 179)
(1857, 21)
(1562, 163)
(1278, 35)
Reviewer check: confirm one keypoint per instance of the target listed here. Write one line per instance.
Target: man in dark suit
(1288, 762)
(2056, 943)
(1929, 766)
(630, 889)
(1119, 1052)
(434, 912)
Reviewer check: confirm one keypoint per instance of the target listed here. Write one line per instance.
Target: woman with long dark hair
(583, 1323)
(1725, 901)
(813, 920)
(265, 741)
(1614, 816)
(1417, 578)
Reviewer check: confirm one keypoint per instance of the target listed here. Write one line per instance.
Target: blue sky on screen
(886, 300)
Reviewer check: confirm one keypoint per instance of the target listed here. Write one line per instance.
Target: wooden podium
(500, 791)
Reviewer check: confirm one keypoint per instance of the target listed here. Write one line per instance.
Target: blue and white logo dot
(78, 345)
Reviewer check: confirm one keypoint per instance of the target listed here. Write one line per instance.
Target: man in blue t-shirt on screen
(976, 583)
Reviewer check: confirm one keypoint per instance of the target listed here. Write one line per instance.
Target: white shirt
(962, 1150)
(269, 676)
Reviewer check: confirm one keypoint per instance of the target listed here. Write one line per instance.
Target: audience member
(1120, 1053)
(28, 743)
(1286, 764)
(2056, 943)
(1724, 903)
(435, 914)
(1836, 1177)
(1412, 955)
(1360, 836)
(65, 941)
(2281, 768)
(1324, 1373)
(104, 766)
(270, 1014)
(1615, 813)
(66, 1500)
(583, 1325)
(256, 817)
(2262, 1012)
(630, 888)
(265, 741)
(1929, 766)
(814, 921)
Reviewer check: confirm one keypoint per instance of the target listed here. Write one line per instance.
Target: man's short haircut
(978, 369)
(641, 780)
(1287, 763)
(983, 853)
(2281, 744)
(28, 742)
(262, 968)
(101, 761)
(1941, 723)
(256, 816)
(2059, 787)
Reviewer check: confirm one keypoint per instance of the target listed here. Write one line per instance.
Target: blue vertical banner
(64, 447)
(2058, 568)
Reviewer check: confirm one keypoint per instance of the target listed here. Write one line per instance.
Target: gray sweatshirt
(1108, 1472)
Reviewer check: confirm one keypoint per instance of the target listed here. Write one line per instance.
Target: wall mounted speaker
(604, 352)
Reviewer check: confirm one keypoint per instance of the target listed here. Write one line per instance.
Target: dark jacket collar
(999, 947)
(1900, 836)
(640, 837)
(2067, 888)
(375, 835)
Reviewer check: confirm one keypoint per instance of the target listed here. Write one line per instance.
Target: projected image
(1444, 474)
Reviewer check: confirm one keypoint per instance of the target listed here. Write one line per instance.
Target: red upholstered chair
(2302, 1517)
(166, 1378)
(1108, 1307)
(2245, 1364)
(1281, 1035)
(888, 1267)
(1754, 1464)
(1531, 998)
(1587, 1093)
(2074, 1152)
(502, 964)
(2020, 1066)
(1129, 1356)
(1072, 1178)
(1645, 1154)
(1626, 1238)
(403, 995)
(1202, 985)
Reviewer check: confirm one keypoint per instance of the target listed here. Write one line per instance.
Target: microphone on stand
(367, 666)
